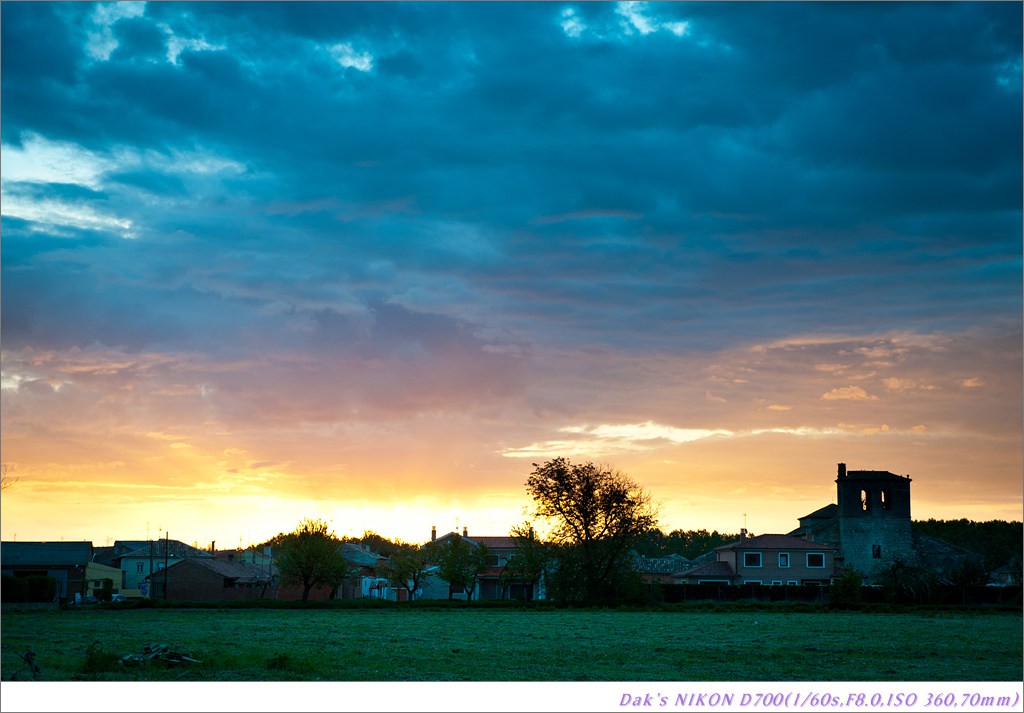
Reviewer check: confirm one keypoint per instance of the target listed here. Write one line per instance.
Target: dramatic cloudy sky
(369, 262)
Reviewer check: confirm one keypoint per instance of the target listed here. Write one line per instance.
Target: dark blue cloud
(292, 172)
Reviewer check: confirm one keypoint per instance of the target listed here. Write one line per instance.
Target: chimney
(842, 470)
(433, 533)
(743, 533)
(465, 532)
(213, 547)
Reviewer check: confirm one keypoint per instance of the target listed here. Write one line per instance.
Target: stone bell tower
(874, 518)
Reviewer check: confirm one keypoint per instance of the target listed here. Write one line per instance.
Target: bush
(845, 592)
(13, 589)
(99, 661)
(41, 588)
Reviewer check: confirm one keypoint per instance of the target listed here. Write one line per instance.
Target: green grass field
(395, 644)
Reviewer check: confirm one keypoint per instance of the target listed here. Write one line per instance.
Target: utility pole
(167, 547)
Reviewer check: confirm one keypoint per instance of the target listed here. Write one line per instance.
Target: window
(886, 500)
(138, 568)
(876, 552)
(751, 581)
(783, 559)
(815, 560)
(793, 582)
(776, 582)
(865, 500)
(751, 559)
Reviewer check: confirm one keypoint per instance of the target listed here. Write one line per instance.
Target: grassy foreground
(515, 645)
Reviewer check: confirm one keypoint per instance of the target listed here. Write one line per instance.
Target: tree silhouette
(597, 514)
(311, 556)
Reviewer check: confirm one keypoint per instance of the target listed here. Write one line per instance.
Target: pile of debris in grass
(160, 653)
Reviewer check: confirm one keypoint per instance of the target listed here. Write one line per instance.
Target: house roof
(711, 569)
(129, 545)
(227, 569)
(239, 571)
(355, 554)
(490, 541)
(926, 545)
(704, 559)
(173, 548)
(495, 542)
(661, 565)
(104, 555)
(774, 542)
(826, 513)
(59, 554)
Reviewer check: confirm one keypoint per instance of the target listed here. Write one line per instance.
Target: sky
(371, 262)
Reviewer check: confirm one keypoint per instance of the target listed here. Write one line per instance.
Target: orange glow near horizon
(239, 482)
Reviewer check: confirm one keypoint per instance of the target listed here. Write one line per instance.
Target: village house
(97, 577)
(768, 560)
(152, 556)
(260, 556)
(251, 574)
(369, 577)
(66, 562)
(494, 582)
(660, 570)
(211, 579)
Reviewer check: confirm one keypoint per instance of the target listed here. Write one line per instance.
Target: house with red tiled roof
(767, 560)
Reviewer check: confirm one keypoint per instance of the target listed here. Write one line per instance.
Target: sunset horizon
(369, 262)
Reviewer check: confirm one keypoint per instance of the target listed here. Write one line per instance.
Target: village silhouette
(604, 548)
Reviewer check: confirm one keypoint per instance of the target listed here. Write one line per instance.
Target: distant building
(212, 579)
(870, 526)
(368, 579)
(96, 576)
(660, 569)
(150, 557)
(768, 560)
(66, 562)
(494, 581)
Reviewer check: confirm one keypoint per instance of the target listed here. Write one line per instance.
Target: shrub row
(38, 588)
